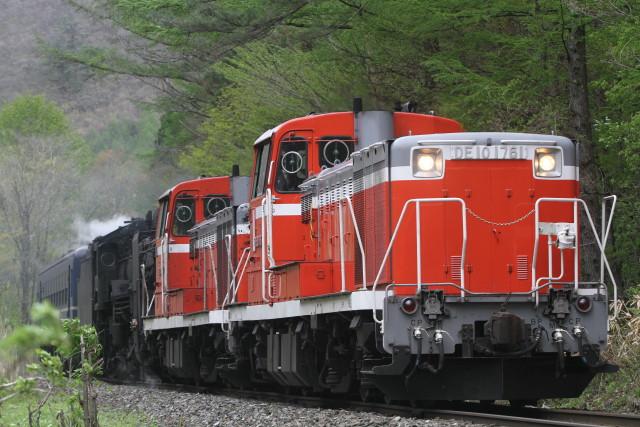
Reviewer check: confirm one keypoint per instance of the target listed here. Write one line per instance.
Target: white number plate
(489, 152)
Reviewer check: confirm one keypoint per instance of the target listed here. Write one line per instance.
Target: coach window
(183, 215)
(212, 204)
(292, 164)
(262, 166)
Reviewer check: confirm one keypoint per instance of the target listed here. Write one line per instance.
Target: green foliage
(30, 115)
(34, 116)
(13, 413)
(620, 391)
(45, 330)
(58, 348)
(261, 94)
(79, 336)
(133, 137)
(234, 69)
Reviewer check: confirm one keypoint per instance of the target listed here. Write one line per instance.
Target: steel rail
(499, 415)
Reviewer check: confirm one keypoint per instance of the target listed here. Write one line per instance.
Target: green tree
(39, 165)
(261, 94)
(66, 370)
(232, 70)
(174, 44)
(32, 115)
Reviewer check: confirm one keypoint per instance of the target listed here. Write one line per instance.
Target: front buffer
(492, 347)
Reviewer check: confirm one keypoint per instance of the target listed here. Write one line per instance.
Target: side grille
(522, 267)
(306, 207)
(456, 270)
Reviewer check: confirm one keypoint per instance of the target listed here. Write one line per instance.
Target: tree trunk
(25, 287)
(576, 48)
(89, 396)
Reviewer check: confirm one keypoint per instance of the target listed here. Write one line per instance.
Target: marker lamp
(547, 162)
(428, 163)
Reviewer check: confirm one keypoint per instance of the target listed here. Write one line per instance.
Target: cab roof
(191, 182)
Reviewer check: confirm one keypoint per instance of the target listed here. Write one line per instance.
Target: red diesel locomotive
(392, 252)
(389, 254)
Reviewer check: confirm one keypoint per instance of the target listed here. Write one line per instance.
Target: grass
(618, 392)
(15, 413)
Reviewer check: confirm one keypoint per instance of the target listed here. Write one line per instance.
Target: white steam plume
(86, 231)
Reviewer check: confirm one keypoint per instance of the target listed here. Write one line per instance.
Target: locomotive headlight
(548, 162)
(428, 163)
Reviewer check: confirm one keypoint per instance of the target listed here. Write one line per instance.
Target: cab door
(258, 234)
(296, 155)
(162, 241)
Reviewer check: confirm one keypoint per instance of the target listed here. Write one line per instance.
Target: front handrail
(419, 244)
(601, 244)
(164, 269)
(214, 271)
(238, 279)
(266, 244)
(605, 230)
(360, 244)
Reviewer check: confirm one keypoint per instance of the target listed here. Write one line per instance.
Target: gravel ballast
(175, 408)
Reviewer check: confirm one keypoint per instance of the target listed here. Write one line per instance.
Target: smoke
(86, 231)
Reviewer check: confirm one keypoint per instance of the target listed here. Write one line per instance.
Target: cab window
(212, 204)
(292, 164)
(262, 165)
(184, 215)
(162, 217)
(334, 150)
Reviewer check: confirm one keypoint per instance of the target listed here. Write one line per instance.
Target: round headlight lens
(547, 162)
(426, 162)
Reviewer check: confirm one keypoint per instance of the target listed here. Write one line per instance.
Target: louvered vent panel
(456, 270)
(378, 203)
(522, 269)
(306, 207)
(358, 208)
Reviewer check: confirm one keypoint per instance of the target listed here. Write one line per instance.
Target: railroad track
(467, 412)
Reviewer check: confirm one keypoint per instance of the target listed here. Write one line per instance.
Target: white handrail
(204, 281)
(360, 245)
(605, 234)
(235, 285)
(239, 279)
(267, 243)
(395, 233)
(263, 251)
(603, 256)
(551, 277)
(341, 236)
(230, 268)
(214, 271)
(164, 255)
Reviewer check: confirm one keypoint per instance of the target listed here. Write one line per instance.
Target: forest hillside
(91, 100)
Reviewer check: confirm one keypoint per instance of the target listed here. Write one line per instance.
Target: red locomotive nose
(583, 304)
(409, 305)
